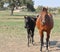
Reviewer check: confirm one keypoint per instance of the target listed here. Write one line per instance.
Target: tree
(1, 4)
(39, 8)
(30, 6)
(12, 5)
(16, 3)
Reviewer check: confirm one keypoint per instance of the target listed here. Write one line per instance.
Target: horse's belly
(46, 27)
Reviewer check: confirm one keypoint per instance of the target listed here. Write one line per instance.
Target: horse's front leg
(47, 41)
(32, 37)
(28, 36)
(28, 40)
(41, 36)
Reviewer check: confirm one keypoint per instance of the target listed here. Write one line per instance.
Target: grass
(56, 25)
(7, 13)
(12, 25)
(15, 23)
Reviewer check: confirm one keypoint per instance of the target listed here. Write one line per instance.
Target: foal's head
(27, 21)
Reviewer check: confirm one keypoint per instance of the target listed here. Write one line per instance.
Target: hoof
(28, 45)
(40, 50)
(33, 43)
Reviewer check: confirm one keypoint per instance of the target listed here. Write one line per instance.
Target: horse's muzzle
(26, 26)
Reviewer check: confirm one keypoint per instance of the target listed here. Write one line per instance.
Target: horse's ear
(37, 15)
(25, 16)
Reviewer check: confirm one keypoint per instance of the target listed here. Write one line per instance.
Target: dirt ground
(14, 43)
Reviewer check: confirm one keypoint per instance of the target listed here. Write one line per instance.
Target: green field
(17, 20)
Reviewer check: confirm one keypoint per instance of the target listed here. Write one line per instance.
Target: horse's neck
(50, 14)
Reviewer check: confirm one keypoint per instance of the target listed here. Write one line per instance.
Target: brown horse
(45, 23)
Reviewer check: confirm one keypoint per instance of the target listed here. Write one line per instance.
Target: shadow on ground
(54, 45)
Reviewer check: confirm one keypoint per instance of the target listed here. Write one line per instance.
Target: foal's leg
(41, 36)
(28, 36)
(47, 41)
(32, 36)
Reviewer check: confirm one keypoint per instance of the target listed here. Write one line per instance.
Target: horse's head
(44, 15)
(45, 18)
(45, 9)
(29, 21)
